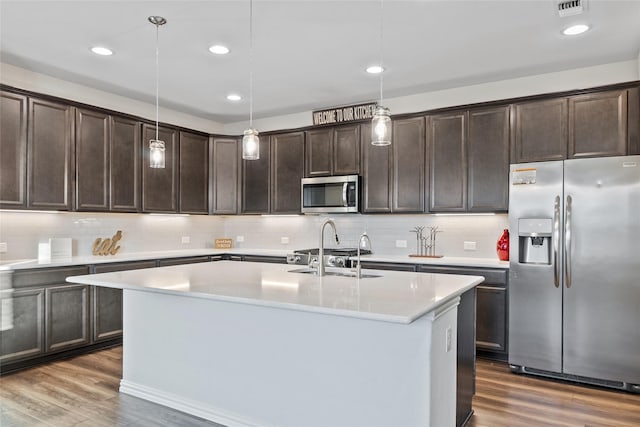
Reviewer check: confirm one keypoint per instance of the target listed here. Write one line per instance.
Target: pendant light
(250, 140)
(156, 146)
(381, 123)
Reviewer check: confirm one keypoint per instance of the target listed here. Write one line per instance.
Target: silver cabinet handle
(556, 242)
(567, 242)
(345, 187)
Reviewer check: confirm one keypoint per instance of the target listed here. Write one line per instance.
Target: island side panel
(240, 364)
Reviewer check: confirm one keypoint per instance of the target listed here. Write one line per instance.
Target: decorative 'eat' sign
(107, 246)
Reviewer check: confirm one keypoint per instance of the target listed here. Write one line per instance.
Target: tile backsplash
(22, 231)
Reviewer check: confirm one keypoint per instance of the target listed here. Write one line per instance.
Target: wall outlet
(448, 338)
(284, 240)
(186, 239)
(470, 246)
(3, 247)
(239, 239)
(401, 243)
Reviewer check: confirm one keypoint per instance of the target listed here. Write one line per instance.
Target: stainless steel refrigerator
(574, 278)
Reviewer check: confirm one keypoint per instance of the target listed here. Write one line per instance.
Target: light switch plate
(186, 239)
(470, 246)
(239, 239)
(3, 247)
(401, 243)
(284, 240)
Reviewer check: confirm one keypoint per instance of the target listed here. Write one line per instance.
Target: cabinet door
(194, 173)
(491, 321)
(226, 162)
(346, 150)
(598, 124)
(67, 321)
(107, 313)
(13, 150)
(448, 166)
(377, 168)
(488, 154)
(256, 183)
(408, 165)
(319, 152)
(23, 337)
(633, 121)
(287, 169)
(540, 131)
(92, 160)
(125, 165)
(160, 186)
(49, 155)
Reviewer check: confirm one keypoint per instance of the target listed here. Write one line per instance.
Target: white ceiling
(307, 54)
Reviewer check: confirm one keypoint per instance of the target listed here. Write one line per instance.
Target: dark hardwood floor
(83, 391)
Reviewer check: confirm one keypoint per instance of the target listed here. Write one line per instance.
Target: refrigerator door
(602, 289)
(535, 288)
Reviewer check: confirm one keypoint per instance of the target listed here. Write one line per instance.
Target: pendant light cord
(157, 77)
(251, 64)
(381, 50)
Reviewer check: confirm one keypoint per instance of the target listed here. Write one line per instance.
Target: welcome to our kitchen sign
(350, 113)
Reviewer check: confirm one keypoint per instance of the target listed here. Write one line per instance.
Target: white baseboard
(188, 406)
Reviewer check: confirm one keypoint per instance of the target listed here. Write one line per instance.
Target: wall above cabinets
(61, 155)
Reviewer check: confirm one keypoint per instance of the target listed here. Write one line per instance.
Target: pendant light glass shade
(250, 145)
(381, 127)
(156, 146)
(250, 140)
(381, 122)
(156, 154)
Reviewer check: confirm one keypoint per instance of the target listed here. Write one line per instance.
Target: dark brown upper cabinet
(92, 160)
(287, 170)
(333, 151)
(540, 131)
(107, 162)
(225, 175)
(447, 141)
(408, 145)
(256, 181)
(160, 186)
(194, 173)
(488, 160)
(124, 164)
(13, 150)
(377, 175)
(598, 124)
(50, 163)
(595, 124)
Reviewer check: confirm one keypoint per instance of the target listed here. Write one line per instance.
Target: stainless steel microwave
(331, 194)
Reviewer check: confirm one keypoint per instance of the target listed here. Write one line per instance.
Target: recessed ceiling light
(219, 49)
(575, 30)
(375, 69)
(99, 50)
(234, 97)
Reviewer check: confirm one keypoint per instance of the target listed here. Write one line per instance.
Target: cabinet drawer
(180, 261)
(123, 266)
(46, 276)
(492, 276)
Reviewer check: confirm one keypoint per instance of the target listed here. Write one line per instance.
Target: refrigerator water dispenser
(534, 240)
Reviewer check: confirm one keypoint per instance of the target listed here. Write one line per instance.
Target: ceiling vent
(571, 7)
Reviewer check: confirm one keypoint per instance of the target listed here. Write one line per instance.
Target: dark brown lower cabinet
(22, 336)
(491, 333)
(67, 311)
(466, 360)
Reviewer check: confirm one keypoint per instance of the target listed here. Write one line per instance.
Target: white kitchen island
(252, 344)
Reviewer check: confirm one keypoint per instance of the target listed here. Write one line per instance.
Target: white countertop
(141, 256)
(398, 297)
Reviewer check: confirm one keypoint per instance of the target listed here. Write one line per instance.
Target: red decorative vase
(503, 246)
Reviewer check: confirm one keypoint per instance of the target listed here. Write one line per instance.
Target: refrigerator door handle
(556, 242)
(567, 242)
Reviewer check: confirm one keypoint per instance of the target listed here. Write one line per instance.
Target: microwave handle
(345, 189)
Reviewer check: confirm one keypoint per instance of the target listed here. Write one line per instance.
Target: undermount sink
(334, 273)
